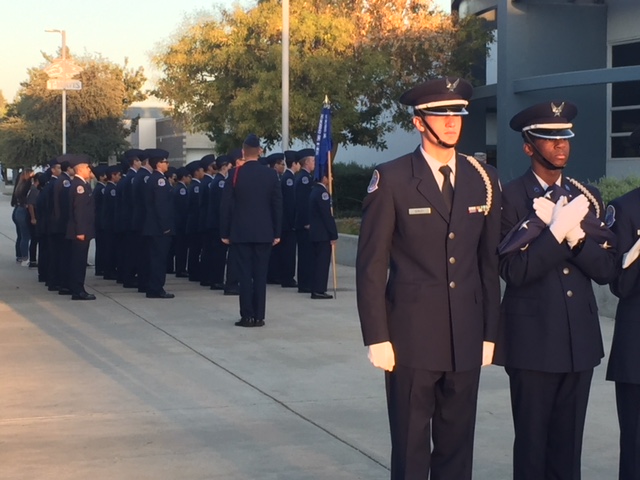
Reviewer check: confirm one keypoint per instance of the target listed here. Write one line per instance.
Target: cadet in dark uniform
(432, 220)
(100, 172)
(158, 222)
(303, 184)
(623, 216)
(231, 286)
(81, 225)
(46, 197)
(181, 212)
(219, 252)
(323, 234)
(288, 238)
(61, 245)
(193, 219)
(125, 218)
(40, 208)
(171, 175)
(275, 161)
(140, 241)
(251, 219)
(204, 226)
(108, 220)
(549, 337)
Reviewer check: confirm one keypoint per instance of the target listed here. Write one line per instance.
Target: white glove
(566, 218)
(487, 353)
(632, 255)
(575, 235)
(381, 356)
(544, 209)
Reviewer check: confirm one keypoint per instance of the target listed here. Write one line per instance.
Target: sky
(114, 29)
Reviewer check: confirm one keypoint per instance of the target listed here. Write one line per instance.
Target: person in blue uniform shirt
(219, 250)
(181, 212)
(158, 225)
(623, 216)
(431, 219)
(193, 219)
(323, 234)
(303, 184)
(60, 218)
(108, 219)
(288, 236)
(81, 226)
(549, 337)
(251, 219)
(100, 173)
(204, 226)
(127, 268)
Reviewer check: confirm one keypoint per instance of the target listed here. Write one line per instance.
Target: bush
(350, 182)
(350, 225)
(611, 188)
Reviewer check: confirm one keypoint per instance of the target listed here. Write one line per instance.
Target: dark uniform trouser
(195, 248)
(158, 247)
(53, 271)
(171, 255)
(43, 258)
(218, 260)
(321, 261)
(233, 273)
(182, 247)
(305, 259)
(549, 410)
(143, 260)
(287, 257)
(206, 261)
(628, 405)
(110, 254)
(78, 265)
(99, 257)
(273, 271)
(253, 262)
(130, 263)
(425, 405)
(63, 247)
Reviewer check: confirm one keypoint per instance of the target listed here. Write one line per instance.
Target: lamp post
(285, 75)
(64, 91)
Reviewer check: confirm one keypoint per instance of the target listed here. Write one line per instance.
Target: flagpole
(333, 246)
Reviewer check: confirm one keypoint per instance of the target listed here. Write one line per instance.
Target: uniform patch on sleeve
(221, 183)
(80, 189)
(66, 183)
(146, 179)
(610, 216)
(196, 189)
(373, 184)
(183, 191)
(305, 180)
(289, 182)
(161, 182)
(325, 196)
(113, 193)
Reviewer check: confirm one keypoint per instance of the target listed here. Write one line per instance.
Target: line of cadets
(151, 219)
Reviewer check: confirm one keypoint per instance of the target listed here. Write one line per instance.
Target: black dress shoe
(160, 295)
(182, 275)
(217, 286)
(83, 296)
(258, 323)
(142, 290)
(130, 285)
(245, 322)
(53, 288)
(291, 284)
(321, 296)
(99, 273)
(304, 290)
(205, 284)
(110, 277)
(231, 292)
(64, 291)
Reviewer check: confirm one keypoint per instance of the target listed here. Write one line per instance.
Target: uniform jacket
(625, 352)
(159, 215)
(109, 207)
(441, 298)
(98, 200)
(193, 217)
(124, 190)
(47, 198)
(203, 204)
(549, 316)
(287, 182)
(322, 224)
(81, 210)
(139, 187)
(216, 187)
(61, 204)
(251, 210)
(180, 199)
(303, 185)
(41, 212)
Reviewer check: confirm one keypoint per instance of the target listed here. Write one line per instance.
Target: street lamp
(64, 91)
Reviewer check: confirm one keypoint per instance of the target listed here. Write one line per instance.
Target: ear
(528, 149)
(419, 124)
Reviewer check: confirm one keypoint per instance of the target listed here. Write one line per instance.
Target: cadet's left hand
(544, 209)
(276, 241)
(225, 241)
(80, 237)
(487, 353)
(632, 255)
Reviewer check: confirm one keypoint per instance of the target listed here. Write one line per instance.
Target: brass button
(452, 260)
(569, 293)
(565, 270)
(452, 284)
(452, 235)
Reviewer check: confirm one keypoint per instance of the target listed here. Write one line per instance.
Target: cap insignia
(557, 110)
(452, 86)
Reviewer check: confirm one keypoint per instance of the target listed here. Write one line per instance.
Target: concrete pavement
(126, 387)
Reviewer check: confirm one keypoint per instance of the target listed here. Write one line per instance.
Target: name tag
(478, 209)
(420, 211)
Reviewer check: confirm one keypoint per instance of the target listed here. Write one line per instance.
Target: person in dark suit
(288, 236)
(204, 226)
(219, 251)
(303, 184)
(549, 337)
(193, 219)
(140, 241)
(181, 212)
(100, 173)
(251, 219)
(81, 226)
(124, 190)
(323, 234)
(53, 276)
(431, 219)
(108, 220)
(623, 217)
(61, 244)
(158, 222)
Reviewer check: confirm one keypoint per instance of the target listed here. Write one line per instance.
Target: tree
(222, 75)
(30, 133)
(3, 104)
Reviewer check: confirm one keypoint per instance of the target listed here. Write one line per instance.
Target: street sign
(64, 84)
(62, 68)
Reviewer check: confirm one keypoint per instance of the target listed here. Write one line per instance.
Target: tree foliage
(31, 131)
(222, 75)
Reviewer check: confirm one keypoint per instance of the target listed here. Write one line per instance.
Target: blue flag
(323, 143)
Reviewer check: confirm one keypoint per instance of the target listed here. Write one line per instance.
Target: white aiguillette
(420, 211)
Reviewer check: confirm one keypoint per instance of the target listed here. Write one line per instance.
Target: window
(625, 102)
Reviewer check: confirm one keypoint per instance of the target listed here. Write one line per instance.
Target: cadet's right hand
(381, 355)
(566, 217)
(544, 209)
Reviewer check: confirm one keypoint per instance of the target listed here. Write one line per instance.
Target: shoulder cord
(485, 178)
(586, 193)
